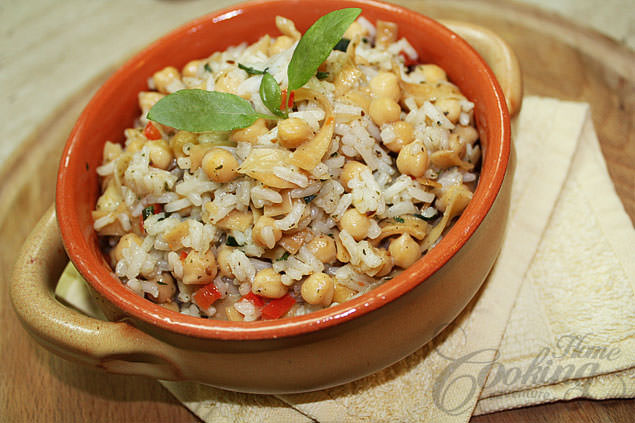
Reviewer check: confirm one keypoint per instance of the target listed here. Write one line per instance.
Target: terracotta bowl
(322, 349)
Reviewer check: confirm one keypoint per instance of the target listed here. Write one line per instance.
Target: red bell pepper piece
(275, 309)
(291, 99)
(151, 132)
(283, 99)
(206, 296)
(254, 299)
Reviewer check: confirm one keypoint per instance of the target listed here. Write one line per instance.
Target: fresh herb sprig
(271, 95)
(203, 111)
(317, 43)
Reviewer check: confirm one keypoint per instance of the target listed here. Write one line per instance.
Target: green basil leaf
(270, 94)
(317, 43)
(202, 111)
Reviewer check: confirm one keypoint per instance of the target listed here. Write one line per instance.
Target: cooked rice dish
(376, 155)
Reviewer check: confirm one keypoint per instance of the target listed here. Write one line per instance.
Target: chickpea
(112, 150)
(191, 68)
(355, 223)
(350, 171)
(199, 268)
(228, 82)
(385, 85)
(147, 99)
(431, 73)
(404, 250)
(167, 288)
(354, 30)
(220, 165)
(259, 232)
(281, 44)
(293, 132)
(135, 145)
(163, 78)
(268, 283)
(318, 289)
(125, 242)
(413, 159)
(287, 27)
(111, 198)
(347, 79)
(342, 293)
(323, 248)
(468, 134)
(386, 262)
(233, 314)
(197, 153)
(384, 110)
(450, 107)
(222, 257)
(404, 135)
(251, 133)
(456, 144)
(179, 140)
(160, 154)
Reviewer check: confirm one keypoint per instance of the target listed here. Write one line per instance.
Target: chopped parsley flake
(147, 212)
(422, 217)
(342, 44)
(399, 219)
(284, 256)
(252, 71)
(231, 241)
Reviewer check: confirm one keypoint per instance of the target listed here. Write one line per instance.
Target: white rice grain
(292, 175)
(177, 205)
(103, 221)
(241, 267)
(291, 220)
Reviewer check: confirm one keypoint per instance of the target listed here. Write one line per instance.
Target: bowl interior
(114, 109)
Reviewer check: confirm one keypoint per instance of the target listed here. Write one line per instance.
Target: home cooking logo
(456, 386)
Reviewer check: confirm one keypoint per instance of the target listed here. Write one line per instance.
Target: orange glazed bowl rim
(113, 108)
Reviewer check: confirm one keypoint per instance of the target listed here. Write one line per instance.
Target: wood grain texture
(558, 60)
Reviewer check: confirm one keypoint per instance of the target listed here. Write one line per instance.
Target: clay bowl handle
(117, 347)
(498, 55)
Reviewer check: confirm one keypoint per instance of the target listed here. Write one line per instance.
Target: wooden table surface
(558, 59)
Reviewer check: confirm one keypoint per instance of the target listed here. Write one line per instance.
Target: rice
(292, 175)
(278, 212)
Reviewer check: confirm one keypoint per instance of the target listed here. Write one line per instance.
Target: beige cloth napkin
(555, 319)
